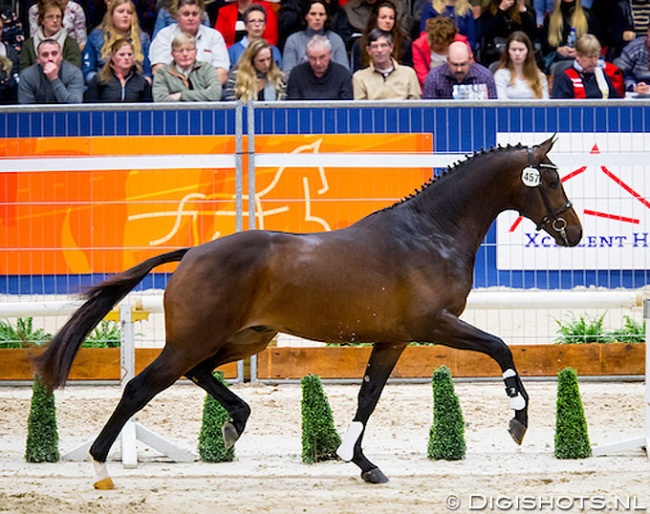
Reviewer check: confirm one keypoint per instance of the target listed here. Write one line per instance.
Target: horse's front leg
(454, 332)
(382, 361)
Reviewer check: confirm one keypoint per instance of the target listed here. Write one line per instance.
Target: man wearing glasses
(384, 78)
(461, 78)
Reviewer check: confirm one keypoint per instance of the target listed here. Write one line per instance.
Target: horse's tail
(53, 365)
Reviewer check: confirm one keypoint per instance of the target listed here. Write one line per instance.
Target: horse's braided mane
(451, 169)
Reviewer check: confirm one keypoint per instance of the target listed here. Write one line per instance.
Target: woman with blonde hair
(257, 76)
(567, 23)
(120, 22)
(517, 76)
(121, 79)
(458, 11)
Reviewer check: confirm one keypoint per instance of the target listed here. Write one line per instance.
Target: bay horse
(400, 274)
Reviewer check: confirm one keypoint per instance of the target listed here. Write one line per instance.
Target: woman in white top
(517, 76)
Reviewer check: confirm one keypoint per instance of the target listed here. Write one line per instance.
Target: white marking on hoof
(509, 373)
(517, 402)
(346, 450)
(102, 478)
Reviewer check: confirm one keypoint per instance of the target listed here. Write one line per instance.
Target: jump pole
(639, 442)
(132, 431)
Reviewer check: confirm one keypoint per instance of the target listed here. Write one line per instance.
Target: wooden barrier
(419, 361)
(90, 364)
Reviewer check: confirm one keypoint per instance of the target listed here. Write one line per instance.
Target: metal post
(251, 198)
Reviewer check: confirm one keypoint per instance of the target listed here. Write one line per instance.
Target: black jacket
(136, 89)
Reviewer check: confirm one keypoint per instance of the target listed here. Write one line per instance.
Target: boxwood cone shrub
(42, 433)
(211, 445)
(447, 434)
(319, 437)
(571, 435)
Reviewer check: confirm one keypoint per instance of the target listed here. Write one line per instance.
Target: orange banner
(95, 221)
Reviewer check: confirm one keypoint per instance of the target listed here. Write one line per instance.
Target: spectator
(120, 22)
(461, 78)
(320, 78)
(557, 38)
(629, 19)
(359, 12)
(255, 22)
(586, 78)
(8, 71)
(384, 78)
(230, 21)
(256, 76)
(500, 19)
(317, 20)
(74, 21)
(51, 79)
(517, 76)
(210, 46)
(12, 33)
(121, 78)
(186, 79)
(50, 17)
(430, 50)
(542, 9)
(291, 18)
(634, 62)
(383, 17)
(167, 16)
(458, 11)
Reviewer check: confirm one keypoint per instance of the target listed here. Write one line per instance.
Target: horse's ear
(546, 146)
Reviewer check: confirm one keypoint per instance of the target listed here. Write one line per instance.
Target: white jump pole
(639, 442)
(132, 431)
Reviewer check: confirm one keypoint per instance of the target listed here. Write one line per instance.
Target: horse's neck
(465, 204)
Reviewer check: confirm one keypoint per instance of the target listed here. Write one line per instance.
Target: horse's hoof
(104, 484)
(374, 476)
(517, 430)
(230, 435)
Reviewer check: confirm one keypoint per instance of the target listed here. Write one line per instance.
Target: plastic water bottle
(571, 40)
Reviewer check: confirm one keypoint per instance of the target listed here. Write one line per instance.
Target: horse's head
(544, 200)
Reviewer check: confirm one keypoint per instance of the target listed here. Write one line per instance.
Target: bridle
(558, 223)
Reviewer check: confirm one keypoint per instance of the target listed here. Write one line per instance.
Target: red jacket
(227, 18)
(422, 55)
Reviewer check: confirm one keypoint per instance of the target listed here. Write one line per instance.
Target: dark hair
(307, 7)
(253, 8)
(177, 4)
(396, 33)
(376, 33)
(531, 72)
(48, 41)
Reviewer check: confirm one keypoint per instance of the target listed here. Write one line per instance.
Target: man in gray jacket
(51, 80)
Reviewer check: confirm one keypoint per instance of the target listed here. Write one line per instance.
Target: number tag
(531, 177)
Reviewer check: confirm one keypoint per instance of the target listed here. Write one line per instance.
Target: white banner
(612, 199)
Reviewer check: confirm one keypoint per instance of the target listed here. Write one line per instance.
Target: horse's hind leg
(237, 408)
(382, 361)
(156, 377)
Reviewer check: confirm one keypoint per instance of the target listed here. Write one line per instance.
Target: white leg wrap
(509, 373)
(346, 450)
(517, 402)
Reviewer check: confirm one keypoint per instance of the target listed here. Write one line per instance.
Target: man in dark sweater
(51, 80)
(319, 78)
